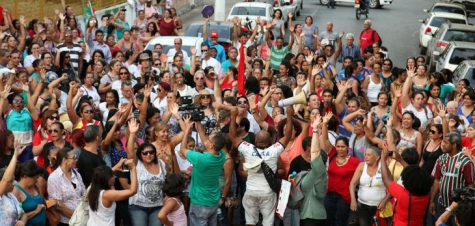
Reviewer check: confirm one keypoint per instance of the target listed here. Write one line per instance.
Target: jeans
(144, 216)
(203, 215)
(242, 189)
(367, 5)
(331, 2)
(337, 209)
(365, 214)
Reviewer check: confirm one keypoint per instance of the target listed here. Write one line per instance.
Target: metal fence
(38, 9)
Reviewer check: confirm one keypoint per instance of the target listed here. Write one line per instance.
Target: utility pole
(219, 10)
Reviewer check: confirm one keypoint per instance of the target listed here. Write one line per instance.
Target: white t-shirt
(270, 155)
(188, 91)
(104, 111)
(160, 103)
(29, 60)
(117, 85)
(423, 115)
(92, 93)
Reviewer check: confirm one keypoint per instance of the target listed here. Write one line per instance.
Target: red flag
(241, 69)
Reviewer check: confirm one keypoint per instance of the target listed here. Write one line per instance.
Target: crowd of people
(92, 118)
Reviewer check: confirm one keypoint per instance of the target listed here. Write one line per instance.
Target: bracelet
(315, 131)
(448, 209)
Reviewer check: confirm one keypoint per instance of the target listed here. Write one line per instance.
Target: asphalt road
(397, 25)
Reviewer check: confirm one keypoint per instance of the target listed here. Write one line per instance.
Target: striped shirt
(454, 172)
(74, 54)
(354, 52)
(277, 56)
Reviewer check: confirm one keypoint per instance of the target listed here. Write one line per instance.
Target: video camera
(464, 195)
(190, 110)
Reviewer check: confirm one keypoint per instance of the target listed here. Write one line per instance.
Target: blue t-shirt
(221, 57)
(204, 189)
(328, 68)
(226, 64)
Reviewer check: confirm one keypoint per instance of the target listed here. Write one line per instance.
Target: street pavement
(397, 24)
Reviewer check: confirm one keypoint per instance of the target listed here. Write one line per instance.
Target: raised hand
(389, 122)
(384, 153)
(290, 15)
(327, 117)
(193, 50)
(207, 20)
(411, 72)
(316, 69)
(6, 92)
(442, 110)
(18, 148)
(341, 35)
(188, 122)
(398, 91)
(25, 87)
(317, 121)
(302, 34)
(56, 11)
(174, 109)
(147, 91)
(80, 93)
(291, 29)
(22, 20)
(309, 58)
(290, 110)
(301, 81)
(272, 89)
(133, 125)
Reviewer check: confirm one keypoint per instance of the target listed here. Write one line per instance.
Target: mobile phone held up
(125, 168)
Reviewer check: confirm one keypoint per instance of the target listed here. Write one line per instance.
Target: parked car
(249, 11)
(454, 54)
(372, 3)
(445, 7)
(294, 6)
(433, 22)
(446, 33)
(469, 4)
(465, 70)
(168, 43)
(223, 28)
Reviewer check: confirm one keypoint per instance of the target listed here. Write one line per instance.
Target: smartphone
(390, 153)
(125, 168)
(50, 203)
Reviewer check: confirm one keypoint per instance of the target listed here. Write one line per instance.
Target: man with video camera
(463, 214)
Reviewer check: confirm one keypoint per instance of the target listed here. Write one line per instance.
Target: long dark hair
(4, 133)
(61, 59)
(100, 181)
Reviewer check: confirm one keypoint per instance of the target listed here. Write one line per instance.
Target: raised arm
(205, 29)
(387, 177)
(9, 176)
(326, 144)
(268, 39)
(288, 127)
(405, 101)
(177, 138)
(184, 140)
(252, 104)
(111, 195)
(133, 128)
(232, 127)
(369, 134)
(69, 104)
(21, 45)
(30, 105)
(347, 120)
(265, 99)
(397, 95)
(315, 148)
(340, 105)
(292, 37)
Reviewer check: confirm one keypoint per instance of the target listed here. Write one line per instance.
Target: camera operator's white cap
(197, 98)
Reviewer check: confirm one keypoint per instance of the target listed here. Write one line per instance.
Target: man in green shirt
(205, 194)
(278, 51)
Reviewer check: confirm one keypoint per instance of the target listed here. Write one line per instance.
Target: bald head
(262, 138)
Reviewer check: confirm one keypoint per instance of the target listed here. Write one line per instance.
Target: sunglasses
(73, 158)
(200, 78)
(242, 102)
(17, 101)
(53, 131)
(54, 118)
(145, 153)
(123, 73)
(204, 50)
(66, 57)
(88, 111)
(433, 132)
(205, 97)
(177, 43)
(157, 64)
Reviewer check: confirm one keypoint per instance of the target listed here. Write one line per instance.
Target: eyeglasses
(177, 43)
(66, 57)
(53, 131)
(53, 118)
(17, 101)
(205, 97)
(386, 64)
(123, 73)
(73, 158)
(145, 153)
(200, 78)
(204, 50)
(88, 111)
(242, 102)
(433, 132)
(157, 65)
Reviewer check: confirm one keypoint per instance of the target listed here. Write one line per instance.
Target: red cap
(213, 34)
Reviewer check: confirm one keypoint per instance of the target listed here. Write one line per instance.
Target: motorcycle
(360, 9)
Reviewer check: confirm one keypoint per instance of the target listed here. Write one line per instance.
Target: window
(250, 11)
(461, 54)
(437, 21)
(448, 9)
(453, 35)
(457, 75)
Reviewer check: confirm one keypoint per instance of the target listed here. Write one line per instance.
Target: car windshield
(437, 21)
(250, 11)
(465, 36)
(448, 9)
(461, 54)
(224, 31)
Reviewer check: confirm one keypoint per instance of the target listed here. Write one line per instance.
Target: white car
(454, 54)
(294, 6)
(249, 11)
(168, 42)
(433, 22)
(372, 3)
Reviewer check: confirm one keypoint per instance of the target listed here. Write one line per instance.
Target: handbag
(53, 217)
(81, 214)
(272, 178)
(231, 202)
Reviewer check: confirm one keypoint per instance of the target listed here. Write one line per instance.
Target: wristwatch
(448, 209)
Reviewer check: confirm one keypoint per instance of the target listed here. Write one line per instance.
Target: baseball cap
(224, 113)
(213, 34)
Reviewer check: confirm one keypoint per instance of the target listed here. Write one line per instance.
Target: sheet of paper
(283, 198)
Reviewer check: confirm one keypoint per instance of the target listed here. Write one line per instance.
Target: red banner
(241, 69)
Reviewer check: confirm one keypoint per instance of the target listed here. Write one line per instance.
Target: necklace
(344, 161)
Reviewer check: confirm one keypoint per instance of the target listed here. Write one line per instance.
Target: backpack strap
(409, 210)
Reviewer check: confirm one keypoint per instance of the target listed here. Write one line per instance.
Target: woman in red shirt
(167, 25)
(412, 196)
(231, 75)
(340, 172)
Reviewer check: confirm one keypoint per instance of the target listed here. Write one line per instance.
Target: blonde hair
(159, 126)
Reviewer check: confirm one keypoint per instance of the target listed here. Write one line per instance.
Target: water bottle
(293, 175)
(220, 215)
(376, 221)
